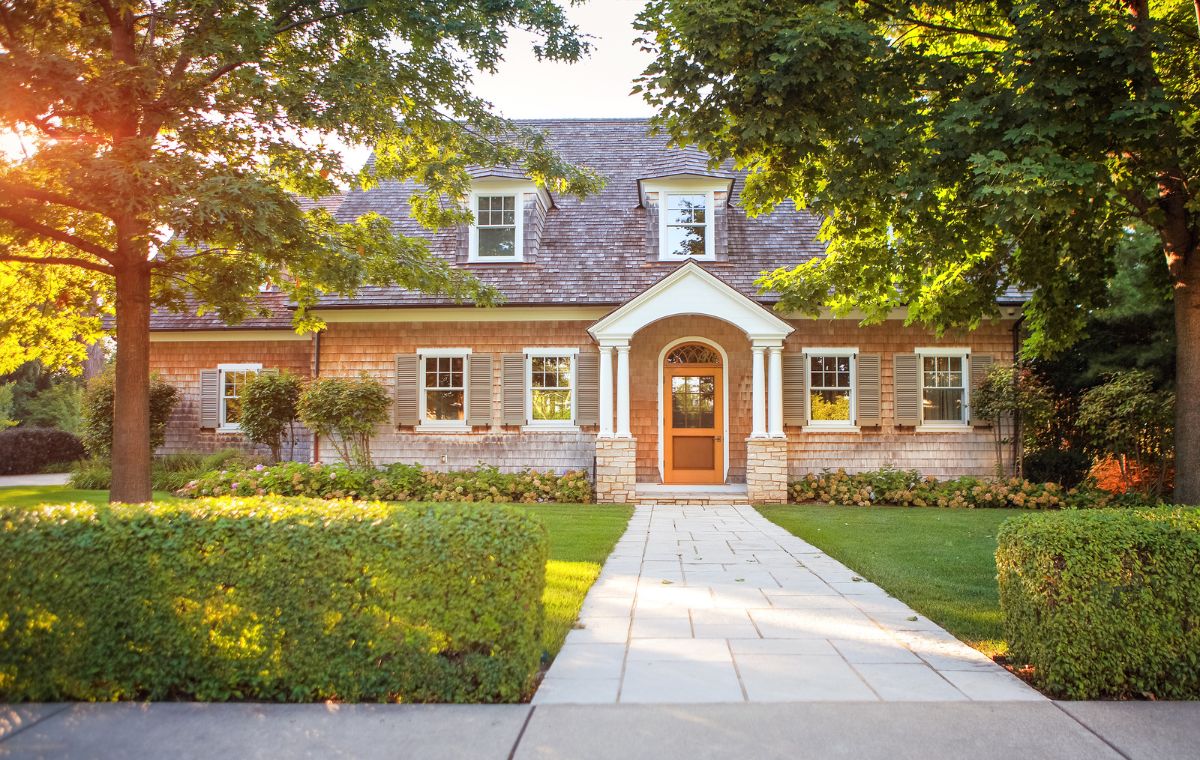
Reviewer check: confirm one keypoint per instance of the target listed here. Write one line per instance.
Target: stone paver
(36, 479)
(717, 604)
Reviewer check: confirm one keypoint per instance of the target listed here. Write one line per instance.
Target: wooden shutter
(210, 398)
(981, 364)
(479, 394)
(868, 390)
(906, 389)
(407, 387)
(795, 389)
(587, 389)
(512, 388)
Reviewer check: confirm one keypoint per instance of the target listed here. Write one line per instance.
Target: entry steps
(670, 493)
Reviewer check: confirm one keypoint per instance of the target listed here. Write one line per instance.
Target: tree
(955, 147)
(268, 413)
(1127, 420)
(345, 412)
(169, 144)
(98, 424)
(1017, 403)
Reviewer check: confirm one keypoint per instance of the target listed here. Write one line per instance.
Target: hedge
(32, 449)
(397, 482)
(908, 488)
(270, 600)
(1104, 603)
(169, 472)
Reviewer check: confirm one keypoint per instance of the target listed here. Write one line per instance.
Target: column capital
(759, 344)
(617, 343)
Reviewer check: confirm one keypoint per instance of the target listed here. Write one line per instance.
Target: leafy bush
(397, 482)
(1012, 393)
(29, 449)
(1104, 603)
(269, 412)
(57, 406)
(1127, 420)
(97, 424)
(7, 415)
(168, 473)
(907, 488)
(1067, 467)
(346, 412)
(270, 600)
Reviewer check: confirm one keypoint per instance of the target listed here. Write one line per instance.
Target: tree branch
(46, 196)
(936, 27)
(63, 260)
(29, 224)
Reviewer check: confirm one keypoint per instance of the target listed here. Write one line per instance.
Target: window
(443, 388)
(233, 379)
(551, 383)
(496, 234)
(687, 229)
(943, 387)
(830, 387)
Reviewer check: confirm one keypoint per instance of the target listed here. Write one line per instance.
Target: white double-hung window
(831, 384)
(550, 380)
(233, 378)
(443, 392)
(687, 225)
(497, 232)
(944, 386)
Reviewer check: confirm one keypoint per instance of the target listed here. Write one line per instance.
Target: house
(632, 340)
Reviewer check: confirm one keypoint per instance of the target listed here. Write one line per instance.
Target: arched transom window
(694, 353)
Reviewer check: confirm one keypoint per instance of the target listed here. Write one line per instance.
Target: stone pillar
(775, 391)
(758, 394)
(623, 391)
(616, 470)
(766, 470)
(606, 392)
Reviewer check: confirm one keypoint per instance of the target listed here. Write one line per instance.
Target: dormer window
(496, 226)
(687, 225)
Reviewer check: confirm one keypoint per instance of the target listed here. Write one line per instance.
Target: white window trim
(705, 187)
(222, 425)
(544, 425)
(516, 190)
(442, 426)
(832, 426)
(945, 426)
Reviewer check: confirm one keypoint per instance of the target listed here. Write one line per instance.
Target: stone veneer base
(766, 470)
(616, 470)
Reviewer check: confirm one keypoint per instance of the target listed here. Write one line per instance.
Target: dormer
(686, 203)
(510, 216)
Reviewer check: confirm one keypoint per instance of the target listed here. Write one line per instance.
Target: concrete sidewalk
(817, 730)
(39, 479)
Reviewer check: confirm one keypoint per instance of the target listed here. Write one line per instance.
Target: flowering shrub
(397, 482)
(907, 488)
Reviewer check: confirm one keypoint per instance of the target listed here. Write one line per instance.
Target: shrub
(29, 449)
(168, 473)
(269, 411)
(907, 488)
(397, 482)
(1012, 393)
(1104, 603)
(57, 406)
(270, 600)
(97, 425)
(1127, 420)
(1067, 467)
(346, 412)
(7, 413)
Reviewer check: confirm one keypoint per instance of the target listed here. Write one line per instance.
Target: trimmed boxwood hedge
(270, 600)
(24, 450)
(1104, 603)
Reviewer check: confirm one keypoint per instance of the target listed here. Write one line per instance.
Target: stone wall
(615, 470)
(766, 470)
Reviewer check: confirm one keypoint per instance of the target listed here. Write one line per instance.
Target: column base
(766, 470)
(616, 470)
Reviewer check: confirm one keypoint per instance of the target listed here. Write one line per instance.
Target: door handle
(717, 438)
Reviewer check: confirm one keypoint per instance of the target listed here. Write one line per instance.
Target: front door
(693, 417)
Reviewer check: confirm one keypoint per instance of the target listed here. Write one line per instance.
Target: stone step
(653, 493)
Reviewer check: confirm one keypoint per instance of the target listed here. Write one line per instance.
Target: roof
(279, 317)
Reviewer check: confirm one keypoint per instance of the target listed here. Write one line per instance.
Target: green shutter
(981, 364)
(479, 394)
(587, 389)
(868, 402)
(906, 389)
(407, 387)
(512, 385)
(795, 389)
(210, 398)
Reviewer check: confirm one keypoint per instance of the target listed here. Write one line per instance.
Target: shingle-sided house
(632, 341)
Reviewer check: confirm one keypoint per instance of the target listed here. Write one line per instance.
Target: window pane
(497, 242)
(443, 405)
(943, 405)
(692, 401)
(685, 209)
(685, 241)
(830, 405)
(233, 410)
(551, 405)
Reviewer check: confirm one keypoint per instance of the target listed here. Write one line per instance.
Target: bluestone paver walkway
(718, 604)
(36, 479)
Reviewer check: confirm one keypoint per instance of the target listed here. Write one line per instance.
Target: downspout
(316, 372)
(1018, 456)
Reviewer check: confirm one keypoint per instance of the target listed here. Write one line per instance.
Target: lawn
(581, 537)
(941, 562)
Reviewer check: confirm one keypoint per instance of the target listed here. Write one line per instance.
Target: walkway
(718, 604)
(39, 479)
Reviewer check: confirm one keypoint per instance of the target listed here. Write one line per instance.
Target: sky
(524, 87)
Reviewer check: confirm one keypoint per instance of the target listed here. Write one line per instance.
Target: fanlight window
(693, 353)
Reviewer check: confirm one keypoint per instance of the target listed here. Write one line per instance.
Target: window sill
(953, 427)
(831, 429)
(564, 428)
(497, 260)
(442, 429)
(228, 430)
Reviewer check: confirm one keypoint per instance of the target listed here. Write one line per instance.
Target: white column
(623, 391)
(758, 395)
(606, 392)
(775, 392)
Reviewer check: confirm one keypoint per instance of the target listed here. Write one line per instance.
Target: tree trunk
(1187, 382)
(131, 391)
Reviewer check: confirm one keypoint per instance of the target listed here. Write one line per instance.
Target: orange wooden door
(693, 450)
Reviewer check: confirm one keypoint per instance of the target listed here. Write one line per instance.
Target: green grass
(941, 562)
(581, 537)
